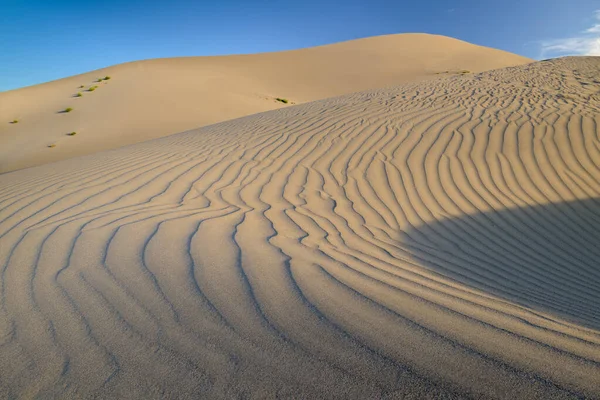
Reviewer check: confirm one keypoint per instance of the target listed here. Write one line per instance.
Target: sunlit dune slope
(430, 240)
(155, 98)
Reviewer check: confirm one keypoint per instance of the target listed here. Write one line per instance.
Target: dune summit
(155, 98)
(436, 239)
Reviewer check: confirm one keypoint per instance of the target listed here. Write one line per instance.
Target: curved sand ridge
(437, 239)
(155, 98)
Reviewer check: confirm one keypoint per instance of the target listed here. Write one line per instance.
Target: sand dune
(431, 240)
(156, 98)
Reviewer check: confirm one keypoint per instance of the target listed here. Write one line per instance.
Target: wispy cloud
(596, 27)
(585, 44)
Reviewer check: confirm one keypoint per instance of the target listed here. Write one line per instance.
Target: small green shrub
(68, 109)
(78, 94)
(52, 145)
(98, 80)
(282, 100)
(81, 87)
(106, 78)
(92, 88)
(71, 133)
(14, 121)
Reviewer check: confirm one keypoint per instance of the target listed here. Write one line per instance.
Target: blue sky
(42, 40)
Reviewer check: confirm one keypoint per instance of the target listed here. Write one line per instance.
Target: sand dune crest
(155, 98)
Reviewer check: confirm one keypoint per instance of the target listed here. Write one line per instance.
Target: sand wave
(429, 240)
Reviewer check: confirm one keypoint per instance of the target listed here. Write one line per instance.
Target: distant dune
(156, 98)
(436, 239)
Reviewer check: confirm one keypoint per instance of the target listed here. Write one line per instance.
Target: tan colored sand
(156, 98)
(430, 240)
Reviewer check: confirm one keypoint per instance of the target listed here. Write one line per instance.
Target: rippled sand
(431, 240)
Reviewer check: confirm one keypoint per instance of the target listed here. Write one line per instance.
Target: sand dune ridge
(434, 240)
(155, 98)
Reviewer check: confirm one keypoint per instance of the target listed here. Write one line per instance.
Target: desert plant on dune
(92, 88)
(52, 145)
(78, 94)
(14, 121)
(463, 71)
(81, 87)
(98, 80)
(106, 78)
(282, 100)
(71, 133)
(68, 109)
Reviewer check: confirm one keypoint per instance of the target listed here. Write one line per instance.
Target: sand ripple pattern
(435, 240)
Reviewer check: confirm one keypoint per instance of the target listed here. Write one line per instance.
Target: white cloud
(586, 44)
(595, 28)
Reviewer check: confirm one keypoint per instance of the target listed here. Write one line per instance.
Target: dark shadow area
(544, 257)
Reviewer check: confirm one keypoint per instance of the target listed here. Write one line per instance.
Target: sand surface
(156, 98)
(435, 240)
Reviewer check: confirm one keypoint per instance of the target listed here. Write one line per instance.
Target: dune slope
(155, 98)
(434, 240)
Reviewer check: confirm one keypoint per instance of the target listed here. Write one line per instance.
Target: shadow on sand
(544, 257)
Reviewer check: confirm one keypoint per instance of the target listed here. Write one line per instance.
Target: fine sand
(155, 98)
(436, 239)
